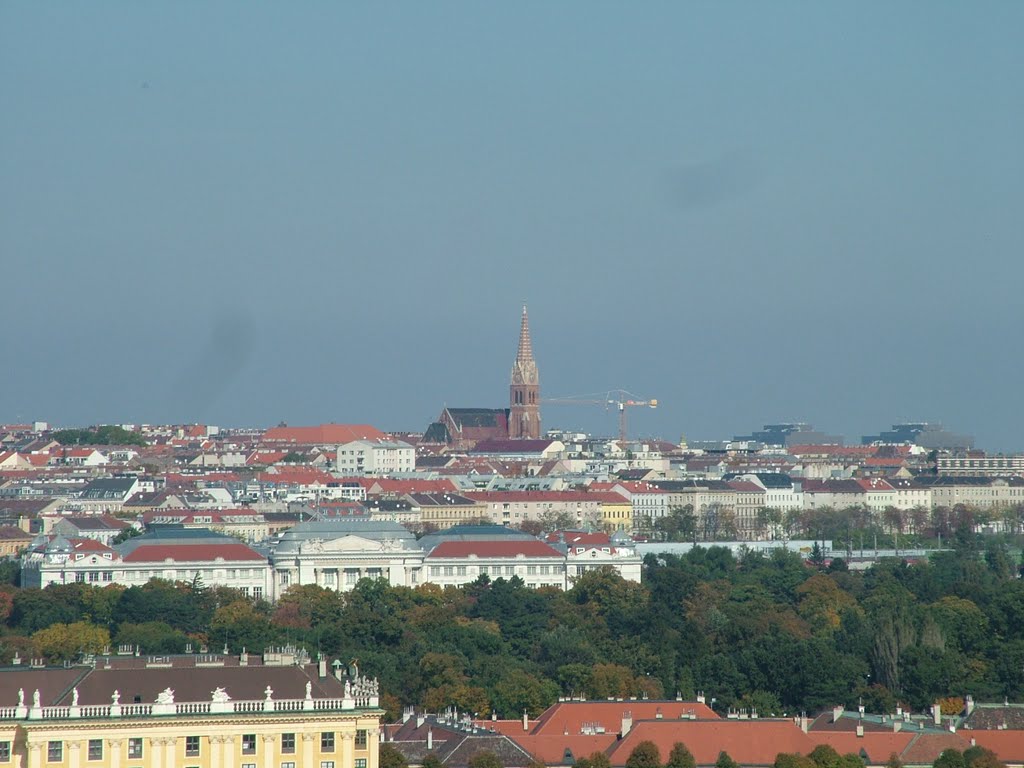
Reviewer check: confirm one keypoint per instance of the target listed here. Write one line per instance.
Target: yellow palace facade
(191, 711)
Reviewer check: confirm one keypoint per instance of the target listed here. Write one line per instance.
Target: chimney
(627, 723)
(420, 719)
(860, 731)
(937, 713)
(322, 667)
(700, 698)
(897, 726)
(526, 720)
(969, 704)
(837, 712)
(430, 739)
(804, 724)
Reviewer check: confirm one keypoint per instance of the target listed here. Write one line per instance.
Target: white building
(336, 554)
(375, 457)
(170, 553)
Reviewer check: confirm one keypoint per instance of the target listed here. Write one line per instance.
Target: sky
(245, 213)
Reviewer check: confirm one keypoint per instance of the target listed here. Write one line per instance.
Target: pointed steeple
(525, 353)
(524, 393)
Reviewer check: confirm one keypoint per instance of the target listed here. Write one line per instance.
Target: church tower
(524, 392)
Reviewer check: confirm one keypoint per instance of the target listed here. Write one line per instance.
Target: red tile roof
(562, 496)
(580, 538)
(878, 745)
(550, 749)
(192, 553)
(523, 547)
(748, 742)
(1008, 745)
(325, 434)
(571, 715)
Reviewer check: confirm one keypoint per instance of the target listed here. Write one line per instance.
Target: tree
(485, 759)
(390, 757)
(680, 757)
(66, 642)
(950, 758)
(431, 760)
(980, 757)
(644, 755)
(724, 761)
(128, 532)
(824, 756)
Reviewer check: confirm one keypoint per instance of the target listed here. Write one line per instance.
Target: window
(95, 749)
(55, 752)
(134, 748)
(257, 592)
(461, 571)
(192, 746)
(326, 764)
(327, 741)
(360, 762)
(249, 744)
(361, 738)
(449, 570)
(287, 744)
(5, 751)
(248, 765)
(288, 765)
(79, 577)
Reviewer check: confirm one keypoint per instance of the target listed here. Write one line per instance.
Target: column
(35, 755)
(348, 743)
(170, 751)
(268, 750)
(74, 754)
(229, 750)
(216, 749)
(114, 752)
(156, 747)
(373, 744)
(308, 745)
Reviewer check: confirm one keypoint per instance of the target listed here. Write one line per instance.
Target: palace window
(55, 752)
(5, 751)
(192, 746)
(360, 762)
(288, 743)
(327, 741)
(326, 764)
(288, 765)
(134, 749)
(361, 738)
(95, 749)
(249, 744)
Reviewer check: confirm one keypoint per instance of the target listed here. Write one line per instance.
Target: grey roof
(109, 488)
(173, 534)
(482, 532)
(367, 528)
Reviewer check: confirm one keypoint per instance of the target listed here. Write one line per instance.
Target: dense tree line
(765, 632)
(108, 434)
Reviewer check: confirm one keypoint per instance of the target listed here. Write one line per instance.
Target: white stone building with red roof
(171, 553)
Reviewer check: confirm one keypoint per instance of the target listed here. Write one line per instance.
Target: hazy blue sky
(244, 213)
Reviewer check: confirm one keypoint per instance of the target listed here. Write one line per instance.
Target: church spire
(525, 354)
(524, 392)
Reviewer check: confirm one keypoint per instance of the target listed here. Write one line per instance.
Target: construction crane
(617, 398)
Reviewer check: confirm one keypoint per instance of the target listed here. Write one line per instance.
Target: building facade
(201, 711)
